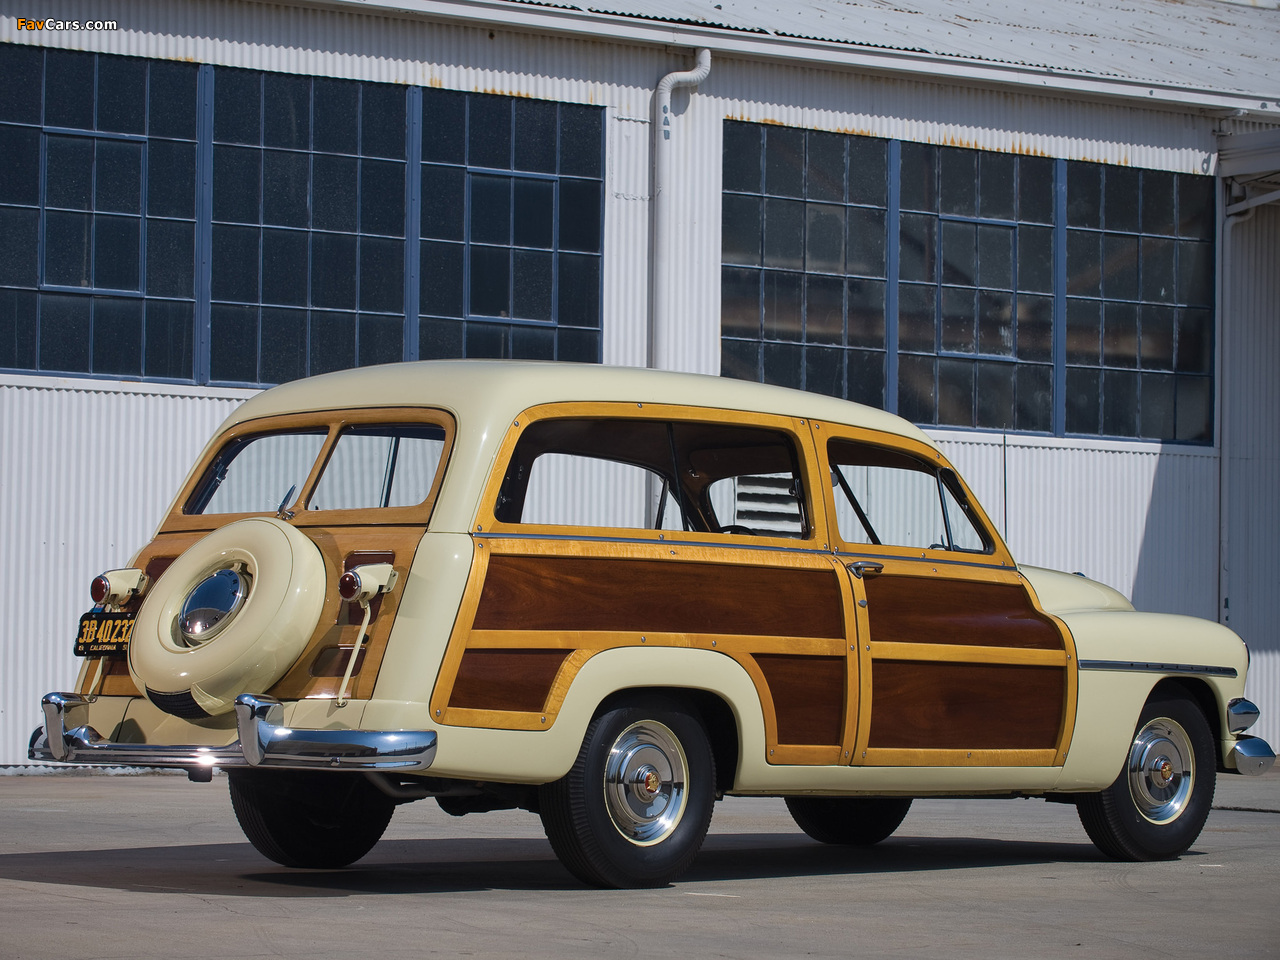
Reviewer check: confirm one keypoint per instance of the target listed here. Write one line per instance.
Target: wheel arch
(1203, 696)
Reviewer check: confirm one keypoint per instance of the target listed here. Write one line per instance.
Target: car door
(959, 665)
(612, 525)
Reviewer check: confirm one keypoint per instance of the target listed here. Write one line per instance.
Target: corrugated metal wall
(86, 473)
(1249, 339)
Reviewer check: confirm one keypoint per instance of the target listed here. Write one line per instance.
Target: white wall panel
(88, 470)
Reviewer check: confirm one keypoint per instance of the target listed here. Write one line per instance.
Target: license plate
(103, 634)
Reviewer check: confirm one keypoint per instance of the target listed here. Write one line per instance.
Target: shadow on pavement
(456, 865)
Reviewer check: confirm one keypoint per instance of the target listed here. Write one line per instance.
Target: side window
(647, 474)
(893, 499)
(380, 466)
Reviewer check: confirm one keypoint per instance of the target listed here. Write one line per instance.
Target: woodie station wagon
(611, 597)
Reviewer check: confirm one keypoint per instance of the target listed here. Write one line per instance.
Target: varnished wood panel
(588, 593)
(505, 679)
(964, 706)
(942, 610)
(808, 697)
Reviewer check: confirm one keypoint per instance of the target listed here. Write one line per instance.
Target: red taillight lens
(349, 586)
(100, 589)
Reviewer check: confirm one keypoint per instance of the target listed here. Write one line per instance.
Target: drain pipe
(661, 343)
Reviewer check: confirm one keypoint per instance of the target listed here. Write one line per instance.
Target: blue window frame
(174, 221)
(969, 288)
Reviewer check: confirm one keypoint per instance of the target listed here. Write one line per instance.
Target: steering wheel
(739, 529)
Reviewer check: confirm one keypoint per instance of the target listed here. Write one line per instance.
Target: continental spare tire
(229, 616)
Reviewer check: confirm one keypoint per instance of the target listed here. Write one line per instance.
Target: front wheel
(304, 819)
(1158, 805)
(850, 821)
(634, 809)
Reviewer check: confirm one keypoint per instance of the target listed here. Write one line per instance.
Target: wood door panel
(569, 593)
(505, 679)
(808, 697)
(929, 705)
(905, 609)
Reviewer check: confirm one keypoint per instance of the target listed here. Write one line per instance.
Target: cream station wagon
(612, 597)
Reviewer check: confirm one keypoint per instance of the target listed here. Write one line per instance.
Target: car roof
(495, 391)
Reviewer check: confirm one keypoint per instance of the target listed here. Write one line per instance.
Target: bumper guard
(264, 742)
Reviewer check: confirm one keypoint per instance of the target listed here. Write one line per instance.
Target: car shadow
(470, 864)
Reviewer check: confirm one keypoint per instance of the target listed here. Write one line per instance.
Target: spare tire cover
(282, 576)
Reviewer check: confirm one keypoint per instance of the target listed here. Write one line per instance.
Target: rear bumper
(263, 742)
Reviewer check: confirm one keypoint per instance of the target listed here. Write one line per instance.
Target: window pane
(382, 198)
(1120, 198)
(533, 343)
(1035, 259)
(122, 94)
(995, 323)
(824, 238)
(535, 127)
(868, 162)
(1157, 269)
(1196, 206)
(118, 180)
(1157, 337)
(380, 466)
(1120, 335)
(995, 257)
(20, 69)
(382, 275)
(171, 179)
(21, 149)
(784, 162)
(69, 172)
(254, 476)
(381, 340)
(233, 344)
(66, 248)
(740, 230)
(919, 177)
(169, 338)
(782, 306)
(917, 397)
(489, 132)
(284, 345)
(918, 257)
(955, 392)
(580, 215)
(959, 253)
(1083, 409)
(443, 202)
(997, 181)
(487, 341)
(1035, 189)
(382, 126)
(444, 125)
(336, 109)
(916, 312)
(534, 213)
(237, 106)
(824, 309)
(286, 101)
(441, 279)
(824, 371)
(64, 333)
(1119, 267)
(579, 291)
(68, 89)
(741, 157)
(284, 188)
(172, 104)
(1035, 398)
(739, 302)
(900, 499)
(284, 270)
(866, 377)
(333, 341)
(19, 247)
(1084, 195)
(1195, 341)
(783, 364)
(333, 273)
(117, 336)
(866, 242)
(235, 265)
(866, 313)
(1119, 403)
(490, 209)
(581, 140)
(170, 259)
(235, 184)
(1195, 408)
(1084, 332)
(440, 339)
(18, 328)
(958, 176)
(824, 167)
(334, 192)
(1158, 412)
(531, 285)
(784, 234)
(958, 334)
(1035, 328)
(490, 282)
(995, 389)
(1084, 264)
(1157, 202)
(740, 359)
(1195, 273)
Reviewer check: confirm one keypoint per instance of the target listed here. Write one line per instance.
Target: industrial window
(929, 281)
(181, 222)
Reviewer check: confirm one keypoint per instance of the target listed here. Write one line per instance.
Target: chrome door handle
(861, 568)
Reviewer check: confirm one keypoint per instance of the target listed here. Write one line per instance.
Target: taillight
(116, 587)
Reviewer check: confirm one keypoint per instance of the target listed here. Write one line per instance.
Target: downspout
(661, 342)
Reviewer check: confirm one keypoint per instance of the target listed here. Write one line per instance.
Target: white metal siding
(86, 474)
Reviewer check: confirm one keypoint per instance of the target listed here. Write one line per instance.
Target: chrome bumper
(264, 742)
(1252, 756)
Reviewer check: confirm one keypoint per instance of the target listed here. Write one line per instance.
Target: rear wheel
(851, 821)
(1158, 805)
(635, 808)
(303, 819)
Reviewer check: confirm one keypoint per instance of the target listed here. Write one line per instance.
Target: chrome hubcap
(212, 605)
(1162, 770)
(645, 782)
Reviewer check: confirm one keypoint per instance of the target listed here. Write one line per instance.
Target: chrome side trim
(1186, 669)
(1252, 756)
(263, 742)
(1241, 715)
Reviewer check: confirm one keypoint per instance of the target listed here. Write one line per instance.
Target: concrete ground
(156, 867)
